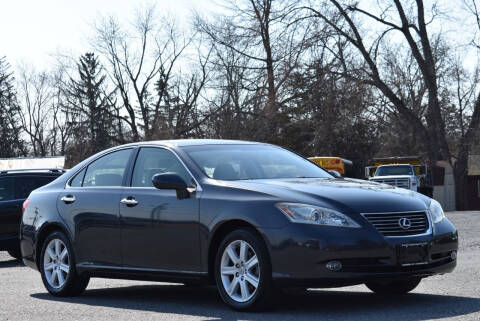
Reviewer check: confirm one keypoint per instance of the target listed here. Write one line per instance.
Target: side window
(78, 179)
(26, 184)
(151, 161)
(108, 170)
(7, 188)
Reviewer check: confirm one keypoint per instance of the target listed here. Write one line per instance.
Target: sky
(32, 31)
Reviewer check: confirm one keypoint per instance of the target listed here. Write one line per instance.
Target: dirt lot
(451, 296)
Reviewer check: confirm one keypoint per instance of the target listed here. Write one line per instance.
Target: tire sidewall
(71, 273)
(264, 287)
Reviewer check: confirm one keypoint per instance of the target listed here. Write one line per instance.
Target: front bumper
(300, 252)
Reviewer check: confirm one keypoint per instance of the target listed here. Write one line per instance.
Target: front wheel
(396, 287)
(57, 266)
(243, 271)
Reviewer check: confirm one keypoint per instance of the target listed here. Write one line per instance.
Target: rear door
(90, 203)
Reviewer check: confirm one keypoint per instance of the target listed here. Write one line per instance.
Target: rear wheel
(243, 271)
(395, 287)
(57, 266)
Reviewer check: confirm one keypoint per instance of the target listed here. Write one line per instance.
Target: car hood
(344, 194)
(391, 176)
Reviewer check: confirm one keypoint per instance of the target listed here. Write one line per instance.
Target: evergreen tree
(11, 144)
(93, 108)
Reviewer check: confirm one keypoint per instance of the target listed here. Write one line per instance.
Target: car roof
(197, 142)
(30, 172)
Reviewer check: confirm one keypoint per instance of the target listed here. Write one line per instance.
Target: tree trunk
(460, 171)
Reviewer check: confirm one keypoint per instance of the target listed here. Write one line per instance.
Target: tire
(397, 287)
(15, 253)
(241, 277)
(53, 260)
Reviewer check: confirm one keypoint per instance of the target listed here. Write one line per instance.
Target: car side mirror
(171, 181)
(335, 173)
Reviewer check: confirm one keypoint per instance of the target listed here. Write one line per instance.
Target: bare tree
(234, 104)
(62, 120)
(36, 99)
(260, 32)
(137, 59)
(178, 104)
(410, 22)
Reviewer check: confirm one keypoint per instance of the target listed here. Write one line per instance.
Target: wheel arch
(219, 234)
(43, 233)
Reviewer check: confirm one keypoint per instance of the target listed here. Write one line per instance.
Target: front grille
(389, 223)
(398, 182)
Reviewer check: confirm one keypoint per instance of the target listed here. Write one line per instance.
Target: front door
(91, 204)
(159, 231)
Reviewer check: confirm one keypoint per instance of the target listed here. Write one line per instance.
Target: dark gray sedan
(248, 217)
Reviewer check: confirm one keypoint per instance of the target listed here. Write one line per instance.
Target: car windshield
(394, 170)
(241, 162)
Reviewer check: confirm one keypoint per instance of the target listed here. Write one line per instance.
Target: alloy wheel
(56, 263)
(240, 271)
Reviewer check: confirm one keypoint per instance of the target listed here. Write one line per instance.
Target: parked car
(247, 217)
(15, 186)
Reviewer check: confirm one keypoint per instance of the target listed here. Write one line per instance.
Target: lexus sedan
(248, 217)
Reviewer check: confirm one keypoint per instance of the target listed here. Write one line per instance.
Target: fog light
(334, 265)
(453, 255)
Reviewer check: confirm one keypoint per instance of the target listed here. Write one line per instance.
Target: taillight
(25, 205)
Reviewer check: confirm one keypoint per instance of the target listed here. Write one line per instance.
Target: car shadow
(11, 263)
(332, 305)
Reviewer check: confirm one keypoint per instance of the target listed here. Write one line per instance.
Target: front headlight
(436, 211)
(309, 214)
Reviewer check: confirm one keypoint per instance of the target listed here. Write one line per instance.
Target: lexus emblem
(404, 223)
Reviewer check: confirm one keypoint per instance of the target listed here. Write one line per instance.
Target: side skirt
(143, 274)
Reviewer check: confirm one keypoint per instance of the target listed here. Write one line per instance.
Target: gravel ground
(453, 296)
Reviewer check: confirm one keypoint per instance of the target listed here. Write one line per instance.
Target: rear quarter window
(77, 181)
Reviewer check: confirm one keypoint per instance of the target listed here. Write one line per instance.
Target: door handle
(68, 199)
(129, 201)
